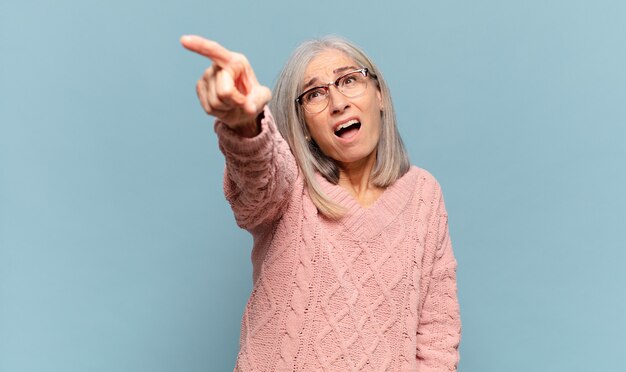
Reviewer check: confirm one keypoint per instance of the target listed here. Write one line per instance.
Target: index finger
(208, 48)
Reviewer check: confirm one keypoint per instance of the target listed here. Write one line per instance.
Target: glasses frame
(364, 71)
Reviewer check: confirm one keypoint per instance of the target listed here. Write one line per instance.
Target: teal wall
(119, 253)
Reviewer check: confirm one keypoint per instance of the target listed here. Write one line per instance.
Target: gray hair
(392, 161)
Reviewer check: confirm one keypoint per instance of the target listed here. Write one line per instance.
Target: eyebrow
(335, 71)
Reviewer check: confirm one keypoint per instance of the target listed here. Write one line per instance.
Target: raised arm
(260, 169)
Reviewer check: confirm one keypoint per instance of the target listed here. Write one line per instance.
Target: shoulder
(421, 177)
(423, 187)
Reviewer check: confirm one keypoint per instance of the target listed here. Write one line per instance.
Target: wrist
(251, 128)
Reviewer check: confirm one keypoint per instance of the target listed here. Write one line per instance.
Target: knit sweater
(372, 291)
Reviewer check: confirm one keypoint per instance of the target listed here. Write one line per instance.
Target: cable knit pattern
(372, 291)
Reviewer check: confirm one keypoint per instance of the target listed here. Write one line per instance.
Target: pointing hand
(228, 89)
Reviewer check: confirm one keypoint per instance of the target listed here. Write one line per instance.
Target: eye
(349, 80)
(315, 95)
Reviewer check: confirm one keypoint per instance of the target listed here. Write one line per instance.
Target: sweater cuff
(232, 143)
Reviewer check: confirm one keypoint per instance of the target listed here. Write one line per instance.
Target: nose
(337, 102)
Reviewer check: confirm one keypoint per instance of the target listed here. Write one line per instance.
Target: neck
(355, 178)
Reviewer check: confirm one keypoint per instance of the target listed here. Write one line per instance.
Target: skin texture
(355, 156)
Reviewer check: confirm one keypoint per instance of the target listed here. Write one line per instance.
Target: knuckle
(215, 103)
(223, 93)
(209, 73)
(207, 108)
(240, 59)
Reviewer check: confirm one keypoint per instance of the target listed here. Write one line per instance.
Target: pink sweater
(373, 291)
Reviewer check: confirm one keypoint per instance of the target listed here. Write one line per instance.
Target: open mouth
(348, 129)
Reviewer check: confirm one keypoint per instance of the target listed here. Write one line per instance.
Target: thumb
(257, 99)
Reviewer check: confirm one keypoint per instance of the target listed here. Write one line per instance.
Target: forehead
(322, 66)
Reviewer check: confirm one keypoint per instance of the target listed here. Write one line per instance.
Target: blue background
(118, 251)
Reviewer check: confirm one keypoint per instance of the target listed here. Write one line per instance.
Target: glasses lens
(315, 100)
(314, 96)
(352, 84)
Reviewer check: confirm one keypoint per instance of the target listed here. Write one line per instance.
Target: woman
(353, 267)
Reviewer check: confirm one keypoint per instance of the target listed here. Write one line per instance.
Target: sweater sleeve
(259, 172)
(439, 330)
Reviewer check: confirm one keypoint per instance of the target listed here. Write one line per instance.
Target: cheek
(313, 126)
(314, 133)
(309, 127)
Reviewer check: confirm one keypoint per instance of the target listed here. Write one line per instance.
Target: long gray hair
(392, 160)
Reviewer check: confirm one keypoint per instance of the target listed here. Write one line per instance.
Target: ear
(379, 96)
(307, 134)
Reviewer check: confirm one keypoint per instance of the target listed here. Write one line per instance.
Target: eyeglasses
(351, 85)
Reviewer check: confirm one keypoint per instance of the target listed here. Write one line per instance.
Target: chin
(357, 157)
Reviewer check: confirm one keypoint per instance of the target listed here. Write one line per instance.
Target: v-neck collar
(364, 222)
